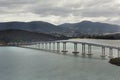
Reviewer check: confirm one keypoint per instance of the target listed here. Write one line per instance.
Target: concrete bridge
(55, 46)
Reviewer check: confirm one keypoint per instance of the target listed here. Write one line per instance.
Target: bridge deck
(56, 47)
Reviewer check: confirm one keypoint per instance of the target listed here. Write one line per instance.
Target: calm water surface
(27, 64)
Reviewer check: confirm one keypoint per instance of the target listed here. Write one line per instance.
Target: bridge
(61, 47)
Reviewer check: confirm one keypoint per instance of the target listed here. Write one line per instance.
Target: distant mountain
(35, 26)
(21, 35)
(67, 29)
(90, 28)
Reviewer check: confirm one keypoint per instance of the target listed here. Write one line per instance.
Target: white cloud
(60, 11)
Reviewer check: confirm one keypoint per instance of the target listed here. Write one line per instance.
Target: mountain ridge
(91, 28)
(67, 29)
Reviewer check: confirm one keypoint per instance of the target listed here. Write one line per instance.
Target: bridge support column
(42, 46)
(103, 53)
(64, 48)
(83, 49)
(39, 45)
(89, 50)
(118, 52)
(53, 46)
(46, 47)
(110, 53)
(34, 46)
(75, 52)
(31, 46)
(58, 47)
(49, 46)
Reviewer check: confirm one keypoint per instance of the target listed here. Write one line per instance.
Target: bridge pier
(58, 47)
(42, 46)
(83, 50)
(110, 52)
(46, 47)
(75, 52)
(103, 52)
(39, 45)
(34, 46)
(89, 51)
(118, 52)
(64, 48)
(53, 46)
(49, 46)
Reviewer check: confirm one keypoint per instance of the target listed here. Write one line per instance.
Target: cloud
(60, 11)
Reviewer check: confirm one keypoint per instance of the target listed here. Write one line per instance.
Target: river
(29, 64)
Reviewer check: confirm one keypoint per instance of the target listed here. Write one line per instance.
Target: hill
(35, 26)
(90, 28)
(22, 36)
(83, 28)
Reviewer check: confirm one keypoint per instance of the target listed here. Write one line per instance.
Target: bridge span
(55, 46)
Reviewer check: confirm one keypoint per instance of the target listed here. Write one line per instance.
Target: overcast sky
(60, 11)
